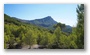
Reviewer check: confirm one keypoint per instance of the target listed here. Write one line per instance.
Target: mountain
(67, 29)
(43, 22)
(46, 22)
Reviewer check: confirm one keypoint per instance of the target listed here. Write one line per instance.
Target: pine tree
(29, 38)
(80, 26)
(57, 33)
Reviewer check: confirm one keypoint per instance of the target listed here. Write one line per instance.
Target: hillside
(17, 33)
(46, 22)
(43, 22)
(37, 34)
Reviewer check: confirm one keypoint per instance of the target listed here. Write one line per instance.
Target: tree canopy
(18, 34)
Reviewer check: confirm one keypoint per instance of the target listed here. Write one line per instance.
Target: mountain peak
(48, 18)
(44, 22)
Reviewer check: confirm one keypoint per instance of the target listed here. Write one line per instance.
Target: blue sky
(64, 13)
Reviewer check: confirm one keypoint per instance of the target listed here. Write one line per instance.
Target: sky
(64, 13)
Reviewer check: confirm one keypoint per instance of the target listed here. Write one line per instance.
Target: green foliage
(59, 25)
(30, 38)
(57, 34)
(39, 38)
(80, 26)
(17, 34)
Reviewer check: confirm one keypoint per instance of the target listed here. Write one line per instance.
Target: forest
(20, 35)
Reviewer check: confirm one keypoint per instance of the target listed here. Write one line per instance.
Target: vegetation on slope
(18, 34)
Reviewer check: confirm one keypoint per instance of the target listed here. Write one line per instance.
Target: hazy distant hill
(46, 22)
(68, 29)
